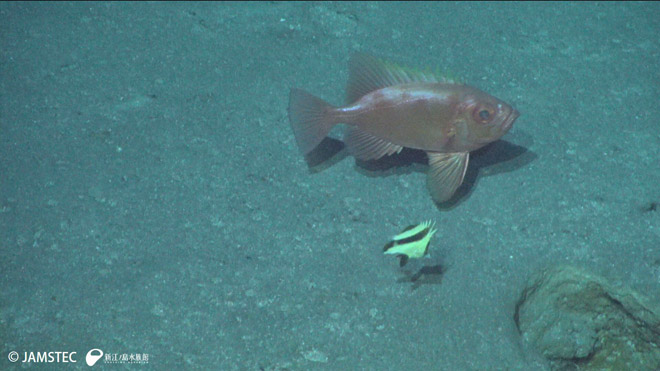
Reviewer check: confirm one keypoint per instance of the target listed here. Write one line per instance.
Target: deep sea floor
(154, 204)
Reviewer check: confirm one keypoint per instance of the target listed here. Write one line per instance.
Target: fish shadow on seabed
(424, 275)
(498, 157)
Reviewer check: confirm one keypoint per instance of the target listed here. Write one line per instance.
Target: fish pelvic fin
(311, 119)
(445, 174)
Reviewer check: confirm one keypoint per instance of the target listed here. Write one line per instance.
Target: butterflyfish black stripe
(414, 238)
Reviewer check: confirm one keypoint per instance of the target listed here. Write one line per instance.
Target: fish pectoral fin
(365, 146)
(446, 174)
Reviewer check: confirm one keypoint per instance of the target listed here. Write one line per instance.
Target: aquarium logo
(126, 358)
(93, 356)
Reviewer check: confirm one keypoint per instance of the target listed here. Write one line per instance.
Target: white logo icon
(93, 356)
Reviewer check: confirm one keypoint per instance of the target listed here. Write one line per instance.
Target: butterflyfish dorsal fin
(409, 232)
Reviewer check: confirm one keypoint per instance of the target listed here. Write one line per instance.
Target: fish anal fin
(364, 146)
(446, 173)
(403, 259)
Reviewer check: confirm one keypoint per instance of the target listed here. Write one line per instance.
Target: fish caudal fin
(311, 119)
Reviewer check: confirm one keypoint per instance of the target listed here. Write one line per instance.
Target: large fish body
(394, 107)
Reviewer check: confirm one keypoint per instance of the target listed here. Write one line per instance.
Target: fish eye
(484, 113)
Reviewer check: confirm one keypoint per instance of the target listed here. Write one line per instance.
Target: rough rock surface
(579, 320)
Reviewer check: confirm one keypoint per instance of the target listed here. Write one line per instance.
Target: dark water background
(153, 200)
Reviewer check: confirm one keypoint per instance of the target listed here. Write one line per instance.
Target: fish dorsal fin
(366, 147)
(408, 228)
(368, 73)
(446, 174)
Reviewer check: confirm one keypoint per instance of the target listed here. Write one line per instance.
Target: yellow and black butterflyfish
(413, 242)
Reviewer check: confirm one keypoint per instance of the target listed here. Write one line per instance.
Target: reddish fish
(392, 107)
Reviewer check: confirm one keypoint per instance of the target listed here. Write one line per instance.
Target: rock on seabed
(579, 320)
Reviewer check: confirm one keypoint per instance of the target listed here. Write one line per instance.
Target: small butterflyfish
(413, 242)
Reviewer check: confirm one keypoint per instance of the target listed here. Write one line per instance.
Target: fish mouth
(508, 121)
